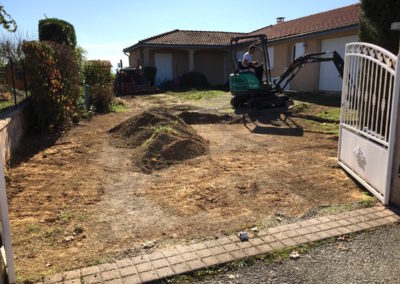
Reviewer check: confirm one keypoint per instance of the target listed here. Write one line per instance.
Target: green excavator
(249, 90)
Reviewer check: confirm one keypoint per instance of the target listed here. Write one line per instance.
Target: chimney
(280, 20)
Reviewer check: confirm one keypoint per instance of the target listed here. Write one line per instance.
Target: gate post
(394, 198)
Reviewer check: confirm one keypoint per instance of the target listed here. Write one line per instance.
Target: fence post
(394, 196)
(25, 86)
(13, 81)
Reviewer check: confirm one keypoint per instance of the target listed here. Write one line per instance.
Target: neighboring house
(325, 31)
(177, 52)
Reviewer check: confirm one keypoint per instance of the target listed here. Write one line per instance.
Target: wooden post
(25, 85)
(394, 197)
(13, 81)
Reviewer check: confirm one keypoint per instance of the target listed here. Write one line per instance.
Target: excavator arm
(298, 63)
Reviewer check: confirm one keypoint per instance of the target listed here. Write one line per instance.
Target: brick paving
(186, 258)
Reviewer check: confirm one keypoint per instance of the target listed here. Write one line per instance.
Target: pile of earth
(159, 139)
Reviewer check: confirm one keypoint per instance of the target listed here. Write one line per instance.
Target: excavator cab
(246, 87)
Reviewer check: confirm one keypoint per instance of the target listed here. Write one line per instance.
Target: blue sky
(105, 27)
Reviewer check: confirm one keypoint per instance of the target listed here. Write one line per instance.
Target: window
(299, 49)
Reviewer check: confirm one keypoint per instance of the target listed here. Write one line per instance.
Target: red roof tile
(333, 19)
(189, 38)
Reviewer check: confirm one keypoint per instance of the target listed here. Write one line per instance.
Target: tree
(376, 19)
(6, 21)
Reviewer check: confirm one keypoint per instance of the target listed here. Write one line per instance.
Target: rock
(69, 238)
(148, 244)
(294, 255)
(254, 229)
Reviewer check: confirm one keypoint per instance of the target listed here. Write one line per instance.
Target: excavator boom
(298, 63)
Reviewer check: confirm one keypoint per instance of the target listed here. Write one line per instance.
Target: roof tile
(342, 17)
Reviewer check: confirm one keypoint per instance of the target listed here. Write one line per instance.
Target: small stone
(69, 238)
(294, 255)
(48, 264)
(148, 244)
(254, 229)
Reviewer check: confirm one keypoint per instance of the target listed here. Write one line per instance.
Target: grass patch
(159, 129)
(368, 199)
(326, 128)
(332, 114)
(118, 106)
(273, 257)
(331, 100)
(195, 95)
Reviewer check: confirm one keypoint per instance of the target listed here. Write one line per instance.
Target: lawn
(197, 95)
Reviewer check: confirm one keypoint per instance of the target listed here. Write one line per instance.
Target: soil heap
(159, 139)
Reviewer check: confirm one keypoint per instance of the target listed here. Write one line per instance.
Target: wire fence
(14, 84)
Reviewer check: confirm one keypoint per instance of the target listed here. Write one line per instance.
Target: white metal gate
(369, 107)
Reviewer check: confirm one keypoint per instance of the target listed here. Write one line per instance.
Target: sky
(103, 27)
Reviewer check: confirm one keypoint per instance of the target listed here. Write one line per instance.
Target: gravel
(370, 257)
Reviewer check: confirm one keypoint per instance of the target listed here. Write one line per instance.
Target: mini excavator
(249, 90)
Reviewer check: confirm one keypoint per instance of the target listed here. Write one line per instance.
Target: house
(327, 31)
(177, 52)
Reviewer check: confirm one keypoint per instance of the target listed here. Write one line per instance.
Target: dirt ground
(76, 200)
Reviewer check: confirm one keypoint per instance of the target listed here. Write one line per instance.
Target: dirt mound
(159, 139)
(197, 117)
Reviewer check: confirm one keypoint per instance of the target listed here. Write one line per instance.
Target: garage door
(329, 79)
(163, 63)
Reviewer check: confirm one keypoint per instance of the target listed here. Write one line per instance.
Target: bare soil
(76, 200)
(159, 139)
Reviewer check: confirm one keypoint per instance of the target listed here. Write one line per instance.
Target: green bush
(57, 30)
(101, 97)
(194, 79)
(100, 80)
(54, 84)
(150, 74)
(98, 72)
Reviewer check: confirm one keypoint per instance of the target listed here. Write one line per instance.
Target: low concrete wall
(12, 129)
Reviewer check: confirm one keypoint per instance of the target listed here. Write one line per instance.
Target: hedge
(194, 79)
(100, 80)
(98, 72)
(54, 84)
(57, 30)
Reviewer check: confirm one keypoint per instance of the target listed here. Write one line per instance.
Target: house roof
(187, 38)
(344, 17)
(325, 21)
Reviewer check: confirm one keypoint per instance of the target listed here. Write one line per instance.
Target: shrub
(194, 79)
(54, 83)
(98, 72)
(57, 30)
(150, 74)
(101, 97)
(100, 80)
